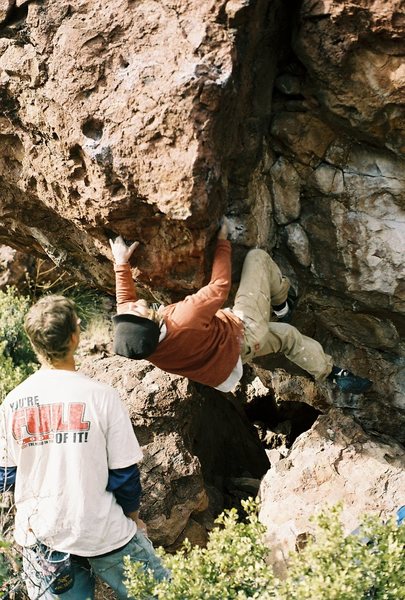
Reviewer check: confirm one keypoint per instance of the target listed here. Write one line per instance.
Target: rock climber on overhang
(198, 339)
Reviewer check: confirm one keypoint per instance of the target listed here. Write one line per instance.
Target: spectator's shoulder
(96, 385)
(20, 389)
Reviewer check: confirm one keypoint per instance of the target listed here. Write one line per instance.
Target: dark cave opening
(232, 437)
(280, 423)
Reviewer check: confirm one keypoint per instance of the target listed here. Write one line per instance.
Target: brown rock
(336, 461)
(363, 44)
(173, 487)
(152, 91)
(138, 119)
(193, 438)
(194, 532)
(13, 267)
(285, 183)
(152, 121)
(5, 6)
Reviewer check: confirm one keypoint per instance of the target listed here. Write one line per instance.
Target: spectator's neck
(64, 364)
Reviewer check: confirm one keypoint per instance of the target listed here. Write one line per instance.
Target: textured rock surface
(338, 187)
(152, 119)
(191, 443)
(336, 461)
(354, 52)
(13, 267)
(119, 118)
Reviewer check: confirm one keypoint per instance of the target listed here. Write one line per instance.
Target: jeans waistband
(102, 555)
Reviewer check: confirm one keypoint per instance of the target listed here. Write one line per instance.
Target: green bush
(13, 308)
(10, 374)
(234, 564)
(17, 358)
(10, 567)
(4, 567)
(369, 565)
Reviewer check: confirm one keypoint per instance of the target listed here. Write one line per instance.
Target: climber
(198, 339)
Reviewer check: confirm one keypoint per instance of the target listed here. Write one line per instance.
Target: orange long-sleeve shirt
(202, 341)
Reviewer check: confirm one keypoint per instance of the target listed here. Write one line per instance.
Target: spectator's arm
(7, 478)
(125, 484)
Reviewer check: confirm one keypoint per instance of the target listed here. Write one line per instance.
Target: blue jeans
(108, 568)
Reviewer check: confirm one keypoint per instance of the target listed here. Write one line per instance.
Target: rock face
(336, 461)
(195, 445)
(13, 267)
(117, 119)
(337, 184)
(151, 120)
(354, 54)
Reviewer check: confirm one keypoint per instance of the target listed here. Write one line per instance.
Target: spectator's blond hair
(49, 324)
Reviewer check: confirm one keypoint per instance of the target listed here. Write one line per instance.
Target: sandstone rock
(298, 243)
(380, 410)
(195, 533)
(285, 184)
(192, 439)
(173, 488)
(13, 267)
(328, 179)
(351, 210)
(300, 388)
(5, 6)
(363, 44)
(158, 109)
(361, 329)
(182, 115)
(302, 135)
(336, 461)
(151, 121)
(31, 275)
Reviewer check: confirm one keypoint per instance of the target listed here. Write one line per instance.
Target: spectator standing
(68, 447)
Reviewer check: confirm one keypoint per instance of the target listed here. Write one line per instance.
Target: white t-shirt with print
(64, 431)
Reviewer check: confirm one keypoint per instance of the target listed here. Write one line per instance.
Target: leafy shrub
(233, 565)
(10, 566)
(17, 358)
(13, 308)
(362, 566)
(368, 566)
(10, 374)
(4, 567)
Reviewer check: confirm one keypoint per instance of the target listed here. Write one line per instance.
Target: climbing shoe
(284, 311)
(346, 381)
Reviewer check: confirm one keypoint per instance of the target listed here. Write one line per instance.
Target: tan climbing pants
(261, 286)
